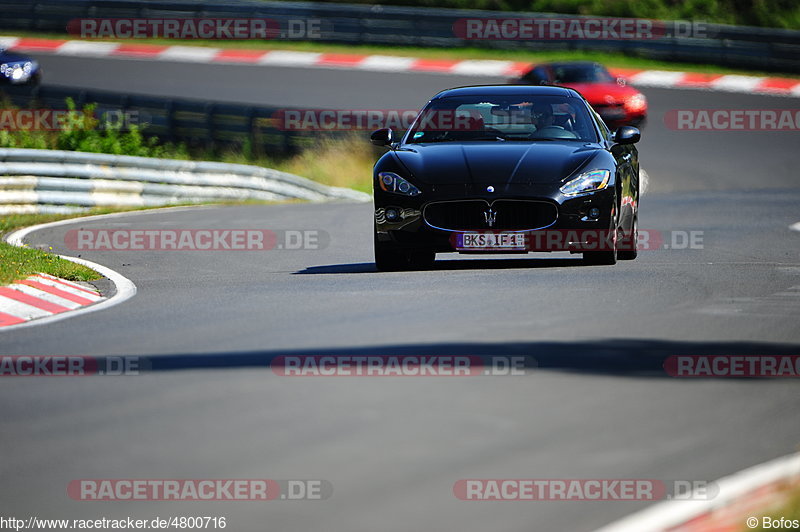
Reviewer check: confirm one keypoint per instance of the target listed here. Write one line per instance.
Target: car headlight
(586, 182)
(391, 182)
(18, 70)
(636, 103)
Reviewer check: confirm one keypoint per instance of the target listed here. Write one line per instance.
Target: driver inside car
(541, 115)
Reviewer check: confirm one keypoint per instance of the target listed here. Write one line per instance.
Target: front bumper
(572, 230)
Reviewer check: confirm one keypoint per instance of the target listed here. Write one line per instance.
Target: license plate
(490, 241)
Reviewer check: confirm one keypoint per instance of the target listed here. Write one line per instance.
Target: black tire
(605, 257)
(390, 259)
(600, 258)
(421, 259)
(629, 251)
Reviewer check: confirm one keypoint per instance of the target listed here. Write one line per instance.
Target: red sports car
(614, 100)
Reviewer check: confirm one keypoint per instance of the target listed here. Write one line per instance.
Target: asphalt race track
(598, 405)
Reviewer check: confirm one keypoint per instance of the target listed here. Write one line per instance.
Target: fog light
(594, 212)
(392, 215)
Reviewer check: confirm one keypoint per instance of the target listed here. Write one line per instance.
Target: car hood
(494, 162)
(8, 57)
(604, 93)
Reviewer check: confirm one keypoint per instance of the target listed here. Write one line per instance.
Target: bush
(82, 131)
(767, 13)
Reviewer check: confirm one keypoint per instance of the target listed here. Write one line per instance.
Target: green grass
(525, 56)
(20, 262)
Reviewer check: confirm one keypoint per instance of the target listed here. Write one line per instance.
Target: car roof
(508, 90)
(562, 64)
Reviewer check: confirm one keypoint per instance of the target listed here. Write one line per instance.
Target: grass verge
(20, 262)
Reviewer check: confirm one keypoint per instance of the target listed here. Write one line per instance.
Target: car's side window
(536, 76)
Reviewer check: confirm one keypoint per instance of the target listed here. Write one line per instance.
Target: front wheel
(390, 259)
(607, 257)
(629, 251)
(600, 258)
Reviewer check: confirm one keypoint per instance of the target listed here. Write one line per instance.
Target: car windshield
(503, 118)
(581, 74)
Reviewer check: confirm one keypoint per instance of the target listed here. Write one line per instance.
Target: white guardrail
(52, 181)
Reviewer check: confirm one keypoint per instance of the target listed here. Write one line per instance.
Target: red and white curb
(742, 498)
(384, 63)
(44, 299)
(40, 296)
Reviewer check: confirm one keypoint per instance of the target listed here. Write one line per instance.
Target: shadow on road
(486, 263)
(639, 358)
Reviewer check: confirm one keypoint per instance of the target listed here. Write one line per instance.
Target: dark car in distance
(614, 100)
(506, 169)
(18, 69)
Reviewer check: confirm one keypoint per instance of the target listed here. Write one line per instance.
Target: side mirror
(382, 137)
(627, 135)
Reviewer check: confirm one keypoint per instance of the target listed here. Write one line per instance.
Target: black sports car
(17, 69)
(507, 168)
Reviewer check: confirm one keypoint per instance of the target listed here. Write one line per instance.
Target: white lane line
(21, 310)
(670, 514)
(795, 227)
(46, 296)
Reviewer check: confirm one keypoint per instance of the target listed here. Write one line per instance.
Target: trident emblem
(490, 216)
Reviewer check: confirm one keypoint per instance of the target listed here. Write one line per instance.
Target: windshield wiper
(488, 137)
